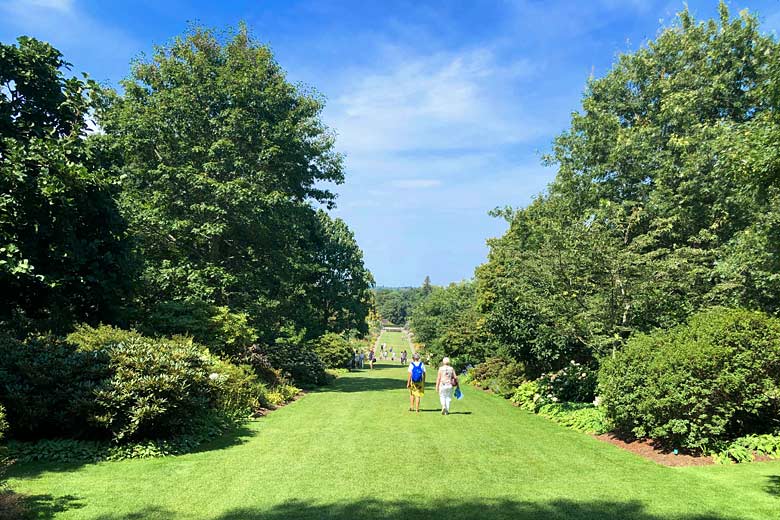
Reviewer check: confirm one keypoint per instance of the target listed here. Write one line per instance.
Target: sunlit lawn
(354, 451)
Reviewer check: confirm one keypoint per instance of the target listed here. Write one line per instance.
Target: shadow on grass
(466, 510)
(233, 437)
(773, 485)
(47, 506)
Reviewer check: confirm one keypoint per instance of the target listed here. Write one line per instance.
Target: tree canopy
(665, 200)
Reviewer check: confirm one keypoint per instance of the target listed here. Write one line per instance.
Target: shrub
(255, 357)
(333, 350)
(156, 387)
(48, 386)
(582, 417)
(527, 396)
(237, 391)
(224, 332)
(574, 383)
(280, 395)
(296, 360)
(709, 381)
(498, 375)
(3, 423)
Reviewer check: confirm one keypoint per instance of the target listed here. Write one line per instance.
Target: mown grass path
(354, 451)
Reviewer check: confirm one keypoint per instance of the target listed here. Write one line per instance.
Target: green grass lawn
(354, 451)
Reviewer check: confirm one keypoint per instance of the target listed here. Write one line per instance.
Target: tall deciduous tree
(222, 160)
(665, 201)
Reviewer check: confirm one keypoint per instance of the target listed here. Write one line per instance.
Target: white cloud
(19, 6)
(433, 102)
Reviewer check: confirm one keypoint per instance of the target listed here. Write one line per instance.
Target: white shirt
(411, 365)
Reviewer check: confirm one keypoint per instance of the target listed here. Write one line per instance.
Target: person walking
(403, 357)
(446, 380)
(415, 382)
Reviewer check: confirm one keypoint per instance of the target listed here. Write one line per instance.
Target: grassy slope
(354, 451)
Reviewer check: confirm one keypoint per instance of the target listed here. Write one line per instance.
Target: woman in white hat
(445, 381)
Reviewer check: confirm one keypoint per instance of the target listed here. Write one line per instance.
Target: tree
(426, 287)
(63, 253)
(223, 160)
(449, 324)
(341, 284)
(665, 200)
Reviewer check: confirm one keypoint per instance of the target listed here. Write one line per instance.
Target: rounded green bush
(711, 380)
(297, 361)
(47, 386)
(333, 350)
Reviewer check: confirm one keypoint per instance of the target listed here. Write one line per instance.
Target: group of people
(446, 383)
(446, 378)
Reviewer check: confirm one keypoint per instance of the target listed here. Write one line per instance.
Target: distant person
(361, 358)
(392, 356)
(371, 359)
(415, 382)
(446, 380)
(403, 357)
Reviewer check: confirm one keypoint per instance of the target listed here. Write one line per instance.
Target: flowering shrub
(572, 383)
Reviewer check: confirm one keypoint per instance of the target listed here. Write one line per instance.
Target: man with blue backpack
(415, 382)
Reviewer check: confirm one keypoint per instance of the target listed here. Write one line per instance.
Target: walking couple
(446, 381)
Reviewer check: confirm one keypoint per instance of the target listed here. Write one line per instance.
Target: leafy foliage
(155, 388)
(222, 159)
(224, 332)
(64, 256)
(396, 304)
(296, 360)
(528, 396)
(48, 386)
(448, 323)
(333, 350)
(582, 417)
(574, 382)
(699, 384)
(744, 449)
(665, 201)
(499, 375)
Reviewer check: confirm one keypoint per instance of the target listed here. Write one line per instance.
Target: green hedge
(333, 350)
(706, 382)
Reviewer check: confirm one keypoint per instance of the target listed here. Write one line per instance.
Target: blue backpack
(417, 372)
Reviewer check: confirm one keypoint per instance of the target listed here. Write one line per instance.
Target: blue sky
(442, 108)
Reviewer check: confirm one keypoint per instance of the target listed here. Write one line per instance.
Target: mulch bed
(650, 451)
